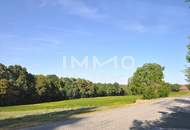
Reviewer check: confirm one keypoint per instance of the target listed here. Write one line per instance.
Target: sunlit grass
(179, 94)
(69, 104)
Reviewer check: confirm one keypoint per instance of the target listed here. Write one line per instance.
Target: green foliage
(109, 89)
(156, 91)
(46, 88)
(17, 86)
(174, 87)
(20, 85)
(164, 90)
(187, 70)
(4, 86)
(4, 74)
(144, 77)
(150, 93)
(148, 80)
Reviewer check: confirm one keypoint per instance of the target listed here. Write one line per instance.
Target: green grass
(75, 103)
(12, 117)
(179, 94)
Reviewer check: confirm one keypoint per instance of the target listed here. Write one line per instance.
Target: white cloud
(75, 7)
(66, 31)
(130, 26)
(137, 26)
(48, 41)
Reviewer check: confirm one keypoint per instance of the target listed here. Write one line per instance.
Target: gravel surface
(160, 114)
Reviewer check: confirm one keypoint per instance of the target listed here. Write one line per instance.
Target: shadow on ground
(34, 120)
(178, 118)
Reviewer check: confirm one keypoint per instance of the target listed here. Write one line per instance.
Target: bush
(127, 91)
(156, 91)
(164, 91)
(150, 93)
(188, 86)
(175, 87)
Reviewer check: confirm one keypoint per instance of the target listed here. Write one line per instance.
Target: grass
(179, 94)
(12, 117)
(75, 103)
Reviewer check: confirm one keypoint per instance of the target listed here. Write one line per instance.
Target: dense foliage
(148, 80)
(187, 71)
(174, 87)
(17, 86)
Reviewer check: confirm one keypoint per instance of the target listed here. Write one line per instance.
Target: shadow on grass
(178, 118)
(34, 120)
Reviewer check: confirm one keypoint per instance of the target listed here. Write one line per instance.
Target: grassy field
(179, 94)
(75, 103)
(28, 115)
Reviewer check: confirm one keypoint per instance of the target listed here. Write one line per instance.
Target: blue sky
(37, 34)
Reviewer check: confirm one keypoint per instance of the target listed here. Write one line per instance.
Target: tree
(173, 87)
(100, 90)
(17, 86)
(4, 86)
(187, 70)
(24, 81)
(9, 94)
(86, 88)
(146, 76)
(3, 72)
(69, 88)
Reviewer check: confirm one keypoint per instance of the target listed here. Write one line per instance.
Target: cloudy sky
(37, 34)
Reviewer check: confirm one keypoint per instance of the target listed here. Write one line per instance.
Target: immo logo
(86, 62)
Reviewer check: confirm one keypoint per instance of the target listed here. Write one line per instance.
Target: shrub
(164, 91)
(188, 86)
(175, 87)
(150, 93)
(156, 91)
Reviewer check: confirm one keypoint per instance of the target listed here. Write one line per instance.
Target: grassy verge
(28, 115)
(179, 94)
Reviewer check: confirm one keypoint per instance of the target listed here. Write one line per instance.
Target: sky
(39, 34)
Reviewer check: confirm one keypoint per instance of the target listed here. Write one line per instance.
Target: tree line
(17, 86)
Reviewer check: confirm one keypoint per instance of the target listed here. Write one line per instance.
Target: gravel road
(160, 114)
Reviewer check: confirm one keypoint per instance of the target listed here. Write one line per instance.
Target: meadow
(28, 115)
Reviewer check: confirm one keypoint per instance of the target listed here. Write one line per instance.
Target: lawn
(27, 115)
(75, 103)
(179, 94)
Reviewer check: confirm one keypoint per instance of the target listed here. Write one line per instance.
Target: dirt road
(158, 114)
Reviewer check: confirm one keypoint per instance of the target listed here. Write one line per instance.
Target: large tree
(146, 76)
(23, 80)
